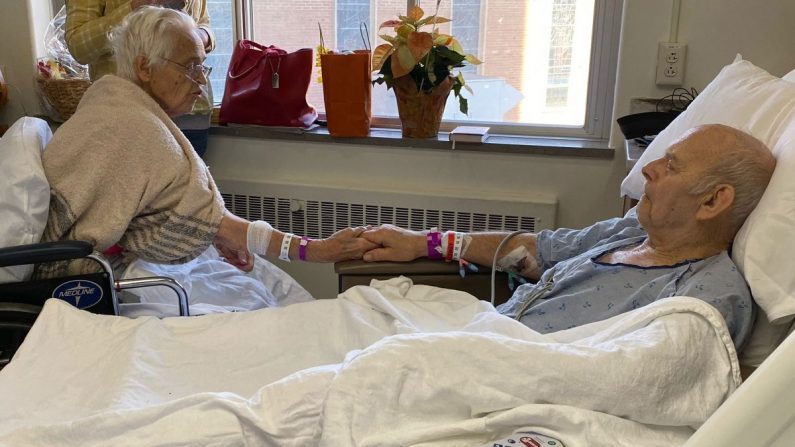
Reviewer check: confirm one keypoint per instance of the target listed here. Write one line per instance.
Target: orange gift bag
(347, 92)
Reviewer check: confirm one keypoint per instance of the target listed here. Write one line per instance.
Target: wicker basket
(63, 95)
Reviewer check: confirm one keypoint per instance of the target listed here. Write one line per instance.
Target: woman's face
(175, 83)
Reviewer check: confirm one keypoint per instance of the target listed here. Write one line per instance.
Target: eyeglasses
(193, 71)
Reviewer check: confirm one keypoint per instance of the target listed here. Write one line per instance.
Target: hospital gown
(576, 289)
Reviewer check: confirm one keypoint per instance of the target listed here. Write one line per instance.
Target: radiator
(318, 211)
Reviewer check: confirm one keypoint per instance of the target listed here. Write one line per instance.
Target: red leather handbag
(267, 86)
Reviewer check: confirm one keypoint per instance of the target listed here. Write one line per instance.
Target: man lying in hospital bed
(390, 365)
(674, 243)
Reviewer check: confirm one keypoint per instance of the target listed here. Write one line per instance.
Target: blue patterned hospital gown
(575, 289)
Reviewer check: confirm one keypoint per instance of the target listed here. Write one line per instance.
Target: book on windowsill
(469, 134)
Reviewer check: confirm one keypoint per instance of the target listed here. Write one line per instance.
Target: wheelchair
(21, 302)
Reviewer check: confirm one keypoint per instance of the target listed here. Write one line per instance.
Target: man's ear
(142, 68)
(720, 200)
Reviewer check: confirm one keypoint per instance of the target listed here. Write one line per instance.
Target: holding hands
(395, 244)
(343, 245)
(384, 243)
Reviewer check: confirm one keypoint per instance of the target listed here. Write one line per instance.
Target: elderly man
(674, 242)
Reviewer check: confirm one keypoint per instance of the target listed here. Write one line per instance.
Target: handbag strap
(266, 52)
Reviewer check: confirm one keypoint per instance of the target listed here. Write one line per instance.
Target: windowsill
(507, 144)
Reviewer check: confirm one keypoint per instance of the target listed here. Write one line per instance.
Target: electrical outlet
(671, 63)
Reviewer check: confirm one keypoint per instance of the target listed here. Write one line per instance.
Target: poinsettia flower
(428, 57)
(380, 54)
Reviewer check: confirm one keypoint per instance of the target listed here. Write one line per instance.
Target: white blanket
(393, 364)
(213, 286)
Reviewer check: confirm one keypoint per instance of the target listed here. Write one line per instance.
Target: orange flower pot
(420, 112)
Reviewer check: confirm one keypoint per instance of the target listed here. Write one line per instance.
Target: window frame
(601, 77)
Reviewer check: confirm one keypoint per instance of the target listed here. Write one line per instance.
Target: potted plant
(419, 65)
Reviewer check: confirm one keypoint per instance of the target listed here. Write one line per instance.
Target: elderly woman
(122, 174)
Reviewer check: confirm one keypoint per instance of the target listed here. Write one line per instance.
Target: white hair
(747, 165)
(150, 31)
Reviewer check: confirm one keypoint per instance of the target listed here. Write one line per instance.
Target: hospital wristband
(434, 240)
(284, 253)
(450, 237)
(452, 245)
(258, 237)
(457, 246)
(302, 247)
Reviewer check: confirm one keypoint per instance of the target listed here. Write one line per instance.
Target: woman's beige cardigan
(121, 172)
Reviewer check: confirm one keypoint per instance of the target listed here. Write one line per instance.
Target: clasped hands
(383, 243)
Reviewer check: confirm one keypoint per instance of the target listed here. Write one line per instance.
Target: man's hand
(172, 4)
(395, 244)
(341, 246)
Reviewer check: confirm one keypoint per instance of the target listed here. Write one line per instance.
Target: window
(549, 65)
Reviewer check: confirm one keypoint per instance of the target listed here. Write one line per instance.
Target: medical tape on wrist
(284, 253)
(466, 239)
(258, 237)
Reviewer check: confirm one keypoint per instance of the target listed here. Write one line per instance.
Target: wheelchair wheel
(16, 319)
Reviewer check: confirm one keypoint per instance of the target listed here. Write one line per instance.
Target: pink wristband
(434, 239)
(302, 247)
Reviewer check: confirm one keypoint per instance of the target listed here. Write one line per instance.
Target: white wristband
(284, 253)
(459, 239)
(258, 237)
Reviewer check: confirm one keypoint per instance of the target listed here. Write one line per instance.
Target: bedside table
(424, 271)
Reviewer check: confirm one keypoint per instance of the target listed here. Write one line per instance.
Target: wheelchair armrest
(44, 252)
(66, 250)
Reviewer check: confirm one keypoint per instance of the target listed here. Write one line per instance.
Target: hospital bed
(405, 364)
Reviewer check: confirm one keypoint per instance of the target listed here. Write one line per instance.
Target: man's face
(667, 202)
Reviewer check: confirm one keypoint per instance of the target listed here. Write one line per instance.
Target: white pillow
(764, 248)
(789, 76)
(741, 96)
(24, 191)
(749, 98)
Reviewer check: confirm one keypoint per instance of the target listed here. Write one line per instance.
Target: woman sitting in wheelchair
(122, 175)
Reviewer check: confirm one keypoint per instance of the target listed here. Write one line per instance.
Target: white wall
(714, 31)
(22, 27)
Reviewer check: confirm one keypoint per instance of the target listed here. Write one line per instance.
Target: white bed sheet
(213, 286)
(393, 364)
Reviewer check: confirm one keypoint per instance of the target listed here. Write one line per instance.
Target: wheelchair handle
(44, 252)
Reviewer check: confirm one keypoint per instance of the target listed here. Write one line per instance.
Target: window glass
(536, 53)
(222, 23)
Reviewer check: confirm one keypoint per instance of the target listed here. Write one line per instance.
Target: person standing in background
(88, 23)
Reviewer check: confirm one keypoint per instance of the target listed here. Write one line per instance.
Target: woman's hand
(395, 244)
(241, 259)
(341, 246)
(230, 241)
